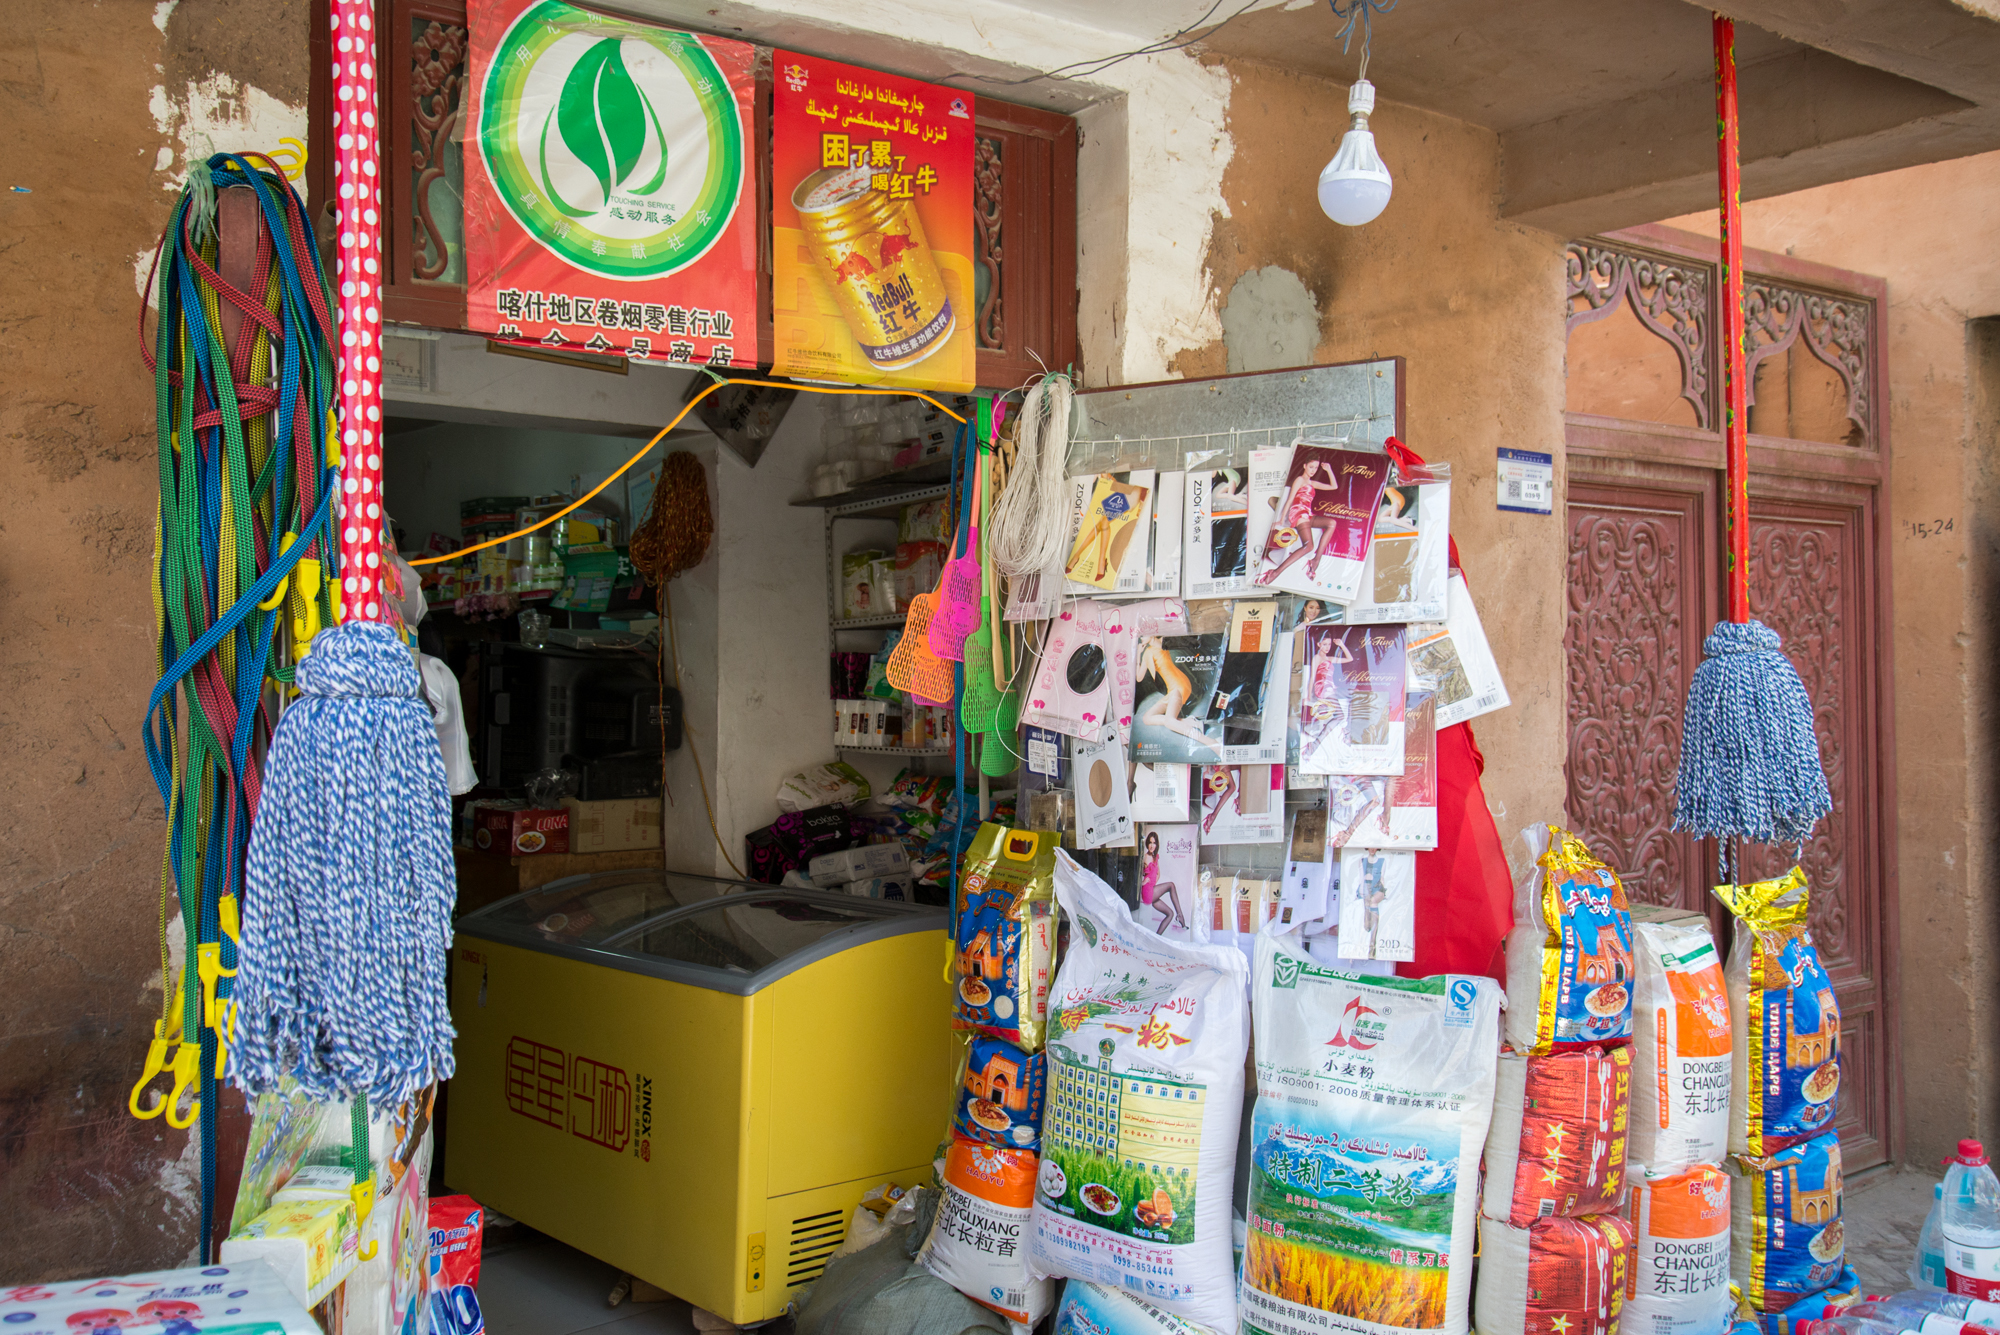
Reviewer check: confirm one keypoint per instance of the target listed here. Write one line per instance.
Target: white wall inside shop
(427, 472)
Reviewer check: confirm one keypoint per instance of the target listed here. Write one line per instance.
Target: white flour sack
(1146, 1045)
(1678, 1282)
(1373, 1096)
(1680, 1043)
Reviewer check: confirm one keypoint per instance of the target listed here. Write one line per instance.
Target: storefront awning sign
(606, 206)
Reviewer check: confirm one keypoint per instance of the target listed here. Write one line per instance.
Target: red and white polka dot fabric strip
(357, 171)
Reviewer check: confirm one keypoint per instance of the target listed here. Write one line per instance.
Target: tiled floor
(1883, 1214)
(530, 1284)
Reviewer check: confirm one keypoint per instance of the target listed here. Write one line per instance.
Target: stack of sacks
(1678, 1207)
(1554, 1250)
(1004, 939)
(1787, 1249)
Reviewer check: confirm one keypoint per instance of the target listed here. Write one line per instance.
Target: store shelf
(863, 623)
(884, 491)
(896, 750)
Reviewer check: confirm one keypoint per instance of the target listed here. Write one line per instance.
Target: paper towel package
(311, 1245)
(234, 1296)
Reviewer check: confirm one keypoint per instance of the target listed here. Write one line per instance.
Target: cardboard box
(522, 830)
(862, 863)
(613, 827)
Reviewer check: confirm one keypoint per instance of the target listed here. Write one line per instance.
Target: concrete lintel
(1949, 44)
(1809, 118)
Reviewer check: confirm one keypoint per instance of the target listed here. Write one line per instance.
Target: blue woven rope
(347, 923)
(1750, 765)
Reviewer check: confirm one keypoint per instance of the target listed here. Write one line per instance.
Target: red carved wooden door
(1644, 587)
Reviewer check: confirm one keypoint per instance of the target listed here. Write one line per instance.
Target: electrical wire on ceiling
(1364, 11)
(1098, 64)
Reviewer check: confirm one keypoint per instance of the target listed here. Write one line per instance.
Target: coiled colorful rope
(245, 492)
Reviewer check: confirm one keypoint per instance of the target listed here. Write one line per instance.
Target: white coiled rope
(1029, 525)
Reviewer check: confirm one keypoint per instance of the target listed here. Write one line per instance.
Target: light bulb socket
(1361, 98)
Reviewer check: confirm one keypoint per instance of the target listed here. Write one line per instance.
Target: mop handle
(357, 172)
(1735, 378)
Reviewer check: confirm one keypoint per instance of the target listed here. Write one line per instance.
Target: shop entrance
(1645, 461)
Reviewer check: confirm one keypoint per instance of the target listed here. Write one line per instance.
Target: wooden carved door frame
(1645, 551)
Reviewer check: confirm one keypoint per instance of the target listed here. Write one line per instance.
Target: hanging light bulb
(1354, 188)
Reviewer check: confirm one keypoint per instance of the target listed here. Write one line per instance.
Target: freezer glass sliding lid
(731, 936)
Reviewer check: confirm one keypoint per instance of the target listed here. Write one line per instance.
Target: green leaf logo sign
(604, 119)
(619, 147)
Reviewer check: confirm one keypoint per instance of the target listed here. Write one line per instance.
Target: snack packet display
(1092, 1309)
(1555, 1277)
(1678, 1282)
(1680, 1042)
(1000, 1095)
(1364, 1178)
(1569, 957)
(976, 1244)
(1147, 1038)
(1005, 934)
(1785, 1235)
(1785, 1069)
(1557, 1146)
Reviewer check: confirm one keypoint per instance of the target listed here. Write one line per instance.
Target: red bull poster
(607, 204)
(871, 227)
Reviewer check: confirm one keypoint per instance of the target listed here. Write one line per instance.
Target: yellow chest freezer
(696, 1080)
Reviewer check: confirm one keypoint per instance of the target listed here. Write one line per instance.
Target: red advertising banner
(871, 227)
(607, 208)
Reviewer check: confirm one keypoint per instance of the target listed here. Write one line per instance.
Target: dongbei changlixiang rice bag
(1786, 1239)
(1678, 1282)
(1373, 1096)
(1557, 1145)
(976, 1244)
(1000, 1095)
(1786, 1064)
(1005, 934)
(1147, 1039)
(1680, 1043)
(1569, 956)
(1555, 1277)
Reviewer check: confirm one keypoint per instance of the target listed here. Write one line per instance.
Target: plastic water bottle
(1972, 1225)
(1924, 1311)
(1927, 1269)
